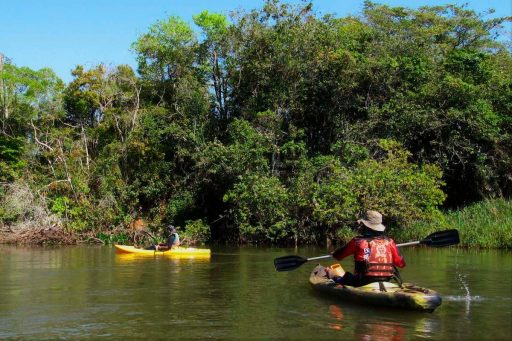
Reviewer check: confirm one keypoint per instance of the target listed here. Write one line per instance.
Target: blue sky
(63, 33)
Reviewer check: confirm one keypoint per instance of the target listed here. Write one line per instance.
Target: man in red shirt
(375, 255)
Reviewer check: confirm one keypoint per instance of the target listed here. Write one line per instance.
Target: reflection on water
(337, 313)
(380, 331)
(89, 292)
(374, 328)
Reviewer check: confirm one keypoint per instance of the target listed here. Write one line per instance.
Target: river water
(88, 292)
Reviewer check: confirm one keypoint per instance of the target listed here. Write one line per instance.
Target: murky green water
(90, 292)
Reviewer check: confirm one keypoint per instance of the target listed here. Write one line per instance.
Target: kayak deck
(176, 251)
(387, 294)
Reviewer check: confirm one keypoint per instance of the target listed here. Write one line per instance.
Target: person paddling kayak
(173, 240)
(375, 254)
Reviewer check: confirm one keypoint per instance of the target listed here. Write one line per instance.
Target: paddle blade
(442, 238)
(288, 263)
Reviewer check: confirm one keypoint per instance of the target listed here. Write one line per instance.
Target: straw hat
(373, 220)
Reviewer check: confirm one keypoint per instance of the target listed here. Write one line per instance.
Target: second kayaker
(374, 254)
(173, 240)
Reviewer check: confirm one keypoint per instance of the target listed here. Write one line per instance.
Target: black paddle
(436, 239)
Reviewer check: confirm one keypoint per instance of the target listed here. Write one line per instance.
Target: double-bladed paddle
(436, 239)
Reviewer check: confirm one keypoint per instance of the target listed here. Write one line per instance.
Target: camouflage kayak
(388, 294)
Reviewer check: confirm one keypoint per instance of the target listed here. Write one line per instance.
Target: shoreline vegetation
(271, 126)
(486, 224)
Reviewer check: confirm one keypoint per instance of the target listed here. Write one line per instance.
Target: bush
(260, 208)
(196, 232)
(402, 191)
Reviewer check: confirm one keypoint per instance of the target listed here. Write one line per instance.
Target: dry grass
(31, 222)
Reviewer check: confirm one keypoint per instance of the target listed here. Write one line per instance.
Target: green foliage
(25, 94)
(179, 206)
(11, 161)
(400, 190)
(214, 25)
(166, 56)
(403, 191)
(259, 205)
(108, 238)
(275, 125)
(60, 206)
(487, 224)
(165, 49)
(196, 232)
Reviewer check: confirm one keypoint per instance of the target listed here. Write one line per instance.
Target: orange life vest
(375, 254)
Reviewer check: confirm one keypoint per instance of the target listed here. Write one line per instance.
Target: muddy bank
(37, 236)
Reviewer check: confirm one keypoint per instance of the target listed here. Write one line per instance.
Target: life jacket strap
(386, 268)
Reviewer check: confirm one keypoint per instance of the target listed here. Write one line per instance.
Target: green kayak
(388, 294)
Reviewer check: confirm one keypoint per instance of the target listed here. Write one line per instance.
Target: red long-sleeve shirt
(352, 249)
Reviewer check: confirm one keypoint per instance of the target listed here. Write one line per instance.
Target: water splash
(455, 298)
(465, 286)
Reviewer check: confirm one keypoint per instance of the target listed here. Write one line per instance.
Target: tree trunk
(3, 95)
(328, 241)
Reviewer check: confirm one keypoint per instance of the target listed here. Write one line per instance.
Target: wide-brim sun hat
(373, 220)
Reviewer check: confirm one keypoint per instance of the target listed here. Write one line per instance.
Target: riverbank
(487, 224)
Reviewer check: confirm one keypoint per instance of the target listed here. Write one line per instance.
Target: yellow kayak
(175, 251)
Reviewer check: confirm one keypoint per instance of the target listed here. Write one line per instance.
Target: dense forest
(275, 125)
